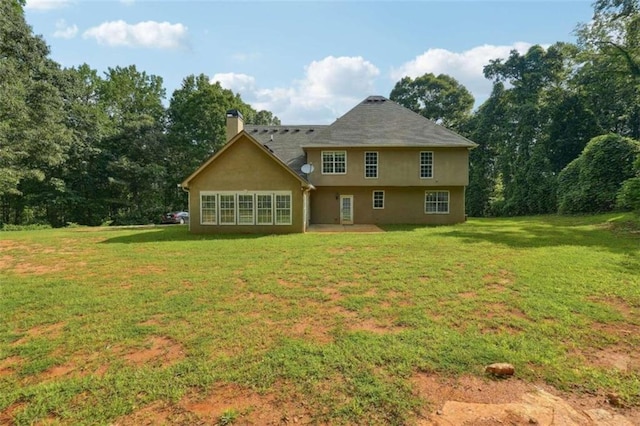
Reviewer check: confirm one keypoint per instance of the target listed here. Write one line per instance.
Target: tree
(135, 156)
(525, 146)
(197, 126)
(33, 134)
(484, 128)
(590, 183)
(441, 99)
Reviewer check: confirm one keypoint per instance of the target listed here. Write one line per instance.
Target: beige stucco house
(380, 163)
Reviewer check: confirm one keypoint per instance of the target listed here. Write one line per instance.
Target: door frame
(342, 221)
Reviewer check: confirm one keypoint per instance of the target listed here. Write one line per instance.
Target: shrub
(590, 183)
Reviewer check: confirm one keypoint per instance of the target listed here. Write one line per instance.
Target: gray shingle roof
(375, 122)
(379, 122)
(285, 142)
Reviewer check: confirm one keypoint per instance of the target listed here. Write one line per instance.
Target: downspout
(186, 189)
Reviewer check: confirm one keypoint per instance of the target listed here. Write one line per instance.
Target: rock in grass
(500, 369)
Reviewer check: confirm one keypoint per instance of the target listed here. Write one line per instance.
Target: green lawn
(99, 324)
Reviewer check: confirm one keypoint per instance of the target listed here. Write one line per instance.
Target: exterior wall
(402, 205)
(396, 167)
(245, 166)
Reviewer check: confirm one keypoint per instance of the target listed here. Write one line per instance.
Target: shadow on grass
(547, 232)
(173, 233)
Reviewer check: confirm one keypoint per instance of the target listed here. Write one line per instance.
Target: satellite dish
(307, 168)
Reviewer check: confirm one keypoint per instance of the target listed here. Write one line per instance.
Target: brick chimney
(235, 123)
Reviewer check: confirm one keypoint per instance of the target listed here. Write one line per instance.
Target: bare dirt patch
(160, 350)
(57, 371)
(6, 415)
(620, 360)
(153, 321)
(9, 365)
(159, 413)
(501, 277)
(475, 401)
(372, 326)
(309, 330)
(333, 294)
(6, 262)
(468, 295)
(252, 408)
(51, 331)
(25, 268)
(616, 303)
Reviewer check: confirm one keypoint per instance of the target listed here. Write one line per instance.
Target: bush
(590, 183)
(33, 227)
(629, 195)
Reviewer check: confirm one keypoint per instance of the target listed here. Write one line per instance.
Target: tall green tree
(485, 128)
(439, 98)
(197, 127)
(524, 165)
(33, 135)
(135, 156)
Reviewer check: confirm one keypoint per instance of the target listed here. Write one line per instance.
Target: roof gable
(378, 121)
(235, 139)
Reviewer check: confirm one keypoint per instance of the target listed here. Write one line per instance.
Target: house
(380, 163)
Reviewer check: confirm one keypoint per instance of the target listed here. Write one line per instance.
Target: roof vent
(375, 99)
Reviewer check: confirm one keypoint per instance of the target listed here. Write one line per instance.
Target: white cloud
(329, 88)
(46, 4)
(466, 67)
(151, 34)
(239, 83)
(65, 31)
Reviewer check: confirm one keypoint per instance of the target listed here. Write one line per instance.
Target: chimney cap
(234, 113)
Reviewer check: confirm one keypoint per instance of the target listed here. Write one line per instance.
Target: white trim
(215, 207)
(432, 166)
(376, 165)
(437, 202)
(373, 199)
(254, 204)
(253, 208)
(351, 212)
(322, 153)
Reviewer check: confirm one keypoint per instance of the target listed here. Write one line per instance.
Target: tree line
(557, 134)
(560, 130)
(78, 147)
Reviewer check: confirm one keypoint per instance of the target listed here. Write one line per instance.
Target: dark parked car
(176, 217)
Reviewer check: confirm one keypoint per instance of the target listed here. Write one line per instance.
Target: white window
(283, 209)
(378, 199)
(370, 165)
(264, 208)
(245, 209)
(426, 164)
(436, 202)
(208, 209)
(334, 162)
(227, 209)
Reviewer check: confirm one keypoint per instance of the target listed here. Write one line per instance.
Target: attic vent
(296, 130)
(285, 130)
(255, 130)
(375, 99)
(274, 130)
(264, 130)
(310, 130)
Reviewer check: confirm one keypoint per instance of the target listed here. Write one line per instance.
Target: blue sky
(308, 62)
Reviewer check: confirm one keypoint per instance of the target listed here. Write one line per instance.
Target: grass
(98, 324)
